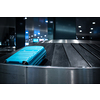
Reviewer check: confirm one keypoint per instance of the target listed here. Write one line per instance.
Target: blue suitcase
(30, 55)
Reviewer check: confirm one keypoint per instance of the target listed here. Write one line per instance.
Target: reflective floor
(71, 41)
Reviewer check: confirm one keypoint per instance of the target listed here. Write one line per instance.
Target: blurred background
(35, 29)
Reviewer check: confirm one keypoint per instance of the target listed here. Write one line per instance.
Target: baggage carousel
(67, 62)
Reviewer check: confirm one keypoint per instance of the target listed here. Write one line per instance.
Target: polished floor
(72, 41)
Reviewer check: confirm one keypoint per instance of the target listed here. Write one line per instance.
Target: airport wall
(65, 28)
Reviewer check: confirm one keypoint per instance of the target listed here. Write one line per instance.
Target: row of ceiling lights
(90, 28)
(38, 36)
(45, 21)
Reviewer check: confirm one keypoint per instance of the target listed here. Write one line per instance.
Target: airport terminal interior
(72, 46)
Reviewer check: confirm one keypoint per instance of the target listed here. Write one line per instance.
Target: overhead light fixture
(51, 21)
(80, 31)
(79, 26)
(0, 43)
(45, 35)
(91, 28)
(39, 33)
(41, 36)
(34, 34)
(31, 35)
(39, 25)
(25, 17)
(90, 32)
(93, 22)
(46, 21)
(38, 37)
(82, 37)
(26, 32)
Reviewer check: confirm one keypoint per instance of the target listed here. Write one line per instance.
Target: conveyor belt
(91, 59)
(49, 49)
(59, 56)
(98, 45)
(74, 57)
(91, 50)
(67, 55)
(94, 47)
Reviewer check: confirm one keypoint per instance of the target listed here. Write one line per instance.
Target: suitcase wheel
(25, 63)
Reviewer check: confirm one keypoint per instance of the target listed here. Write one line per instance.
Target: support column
(20, 32)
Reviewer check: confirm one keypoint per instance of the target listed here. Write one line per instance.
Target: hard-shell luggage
(30, 55)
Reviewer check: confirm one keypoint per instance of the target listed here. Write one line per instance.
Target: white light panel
(34, 34)
(31, 35)
(25, 17)
(90, 32)
(51, 21)
(82, 37)
(91, 28)
(80, 31)
(93, 22)
(79, 26)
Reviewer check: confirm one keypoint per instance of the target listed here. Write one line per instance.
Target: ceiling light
(51, 21)
(79, 26)
(80, 30)
(93, 22)
(39, 25)
(25, 17)
(90, 32)
(46, 21)
(39, 33)
(82, 37)
(41, 36)
(91, 28)
(45, 35)
(31, 35)
(34, 34)
(38, 37)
